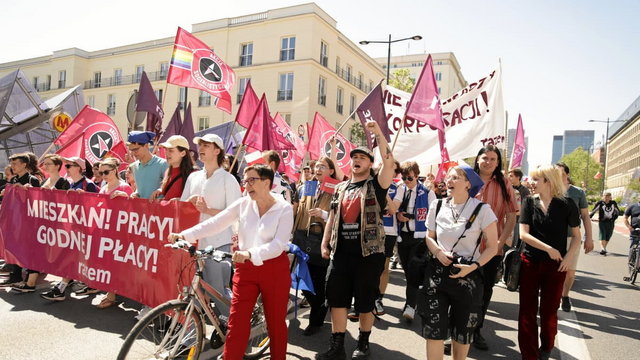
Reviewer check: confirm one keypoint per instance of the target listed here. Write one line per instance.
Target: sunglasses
(249, 181)
(104, 173)
(69, 166)
(407, 178)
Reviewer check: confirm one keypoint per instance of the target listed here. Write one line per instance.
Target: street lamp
(606, 147)
(389, 42)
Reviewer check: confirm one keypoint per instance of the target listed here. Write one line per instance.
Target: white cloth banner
(473, 117)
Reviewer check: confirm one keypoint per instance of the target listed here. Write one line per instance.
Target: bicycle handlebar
(216, 255)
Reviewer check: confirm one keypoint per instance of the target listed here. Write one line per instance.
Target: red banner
(110, 244)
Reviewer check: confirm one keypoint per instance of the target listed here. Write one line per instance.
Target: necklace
(456, 215)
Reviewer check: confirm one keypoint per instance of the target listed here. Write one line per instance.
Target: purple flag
(424, 105)
(147, 101)
(372, 109)
(188, 132)
(518, 145)
(174, 126)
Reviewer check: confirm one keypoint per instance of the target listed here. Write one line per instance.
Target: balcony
(42, 87)
(339, 108)
(124, 80)
(324, 60)
(285, 95)
(348, 77)
(111, 110)
(62, 84)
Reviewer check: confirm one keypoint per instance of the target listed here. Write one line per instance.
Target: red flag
(248, 107)
(291, 159)
(329, 185)
(424, 105)
(261, 135)
(195, 65)
(92, 135)
(518, 145)
(147, 101)
(319, 145)
(372, 109)
(598, 175)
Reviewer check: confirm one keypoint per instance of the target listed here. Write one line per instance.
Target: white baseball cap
(210, 138)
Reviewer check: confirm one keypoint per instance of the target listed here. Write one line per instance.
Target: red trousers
(272, 279)
(538, 278)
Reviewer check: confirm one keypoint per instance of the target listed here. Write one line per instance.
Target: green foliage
(583, 168)
(356, 134)
(634, 186)
(401, 79)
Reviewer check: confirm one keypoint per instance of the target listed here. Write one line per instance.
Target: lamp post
(606, 147)
(389, 42)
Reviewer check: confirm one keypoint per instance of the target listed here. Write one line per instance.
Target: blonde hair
(550, 174)
(111, 162)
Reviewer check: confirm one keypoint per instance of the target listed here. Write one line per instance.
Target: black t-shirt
(25, 179)
(349, 229)
(550, 228)
(62, 184)
(524, 192)
(633, 212)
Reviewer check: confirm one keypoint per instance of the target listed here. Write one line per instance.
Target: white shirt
(219, 191)
(449, 230)
(264, 237)
(431, 198)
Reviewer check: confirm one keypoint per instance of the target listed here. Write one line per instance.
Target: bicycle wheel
(259, 338)
(166, 332)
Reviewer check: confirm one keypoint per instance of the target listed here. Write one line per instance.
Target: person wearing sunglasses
(113, 185)
(265, 222)
(412, 200)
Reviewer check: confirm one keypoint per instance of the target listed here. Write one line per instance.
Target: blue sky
(564, 62)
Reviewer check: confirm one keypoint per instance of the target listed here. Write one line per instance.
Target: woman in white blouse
(262, 266)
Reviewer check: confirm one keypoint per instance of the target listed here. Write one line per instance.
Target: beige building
(623, 159)
(295, 55)
(445, 68)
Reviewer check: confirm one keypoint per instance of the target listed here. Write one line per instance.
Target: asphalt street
(604, 324)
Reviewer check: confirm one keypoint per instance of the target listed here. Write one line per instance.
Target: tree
(583, 169)
(401, 79)
(356, 134)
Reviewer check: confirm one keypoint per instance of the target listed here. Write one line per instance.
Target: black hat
(363, 150)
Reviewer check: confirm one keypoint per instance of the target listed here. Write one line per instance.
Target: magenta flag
(261, 135)
(518, 145)
(248, 107)
(424, 105)
(372, 109)
(147, 101)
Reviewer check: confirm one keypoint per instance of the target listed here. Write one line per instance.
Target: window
(338, 66)
(203, 123)
(360, 83)
(287, 118)
(324, 58)
(285, 87)
(288, 49)
(111, 104)
(204, 99)
(352, 106)
(241, 88)
(139, 70)
(97, 79)
(62, 79)
(370, 86)
(322, 91)
(182, 98)
(246, 54)
(48, 83)
(117, 77)
(339, 101)
(438, 76)
(348, 78)
(164, 70)
(91, 101)
(36, 81)
(159, 94)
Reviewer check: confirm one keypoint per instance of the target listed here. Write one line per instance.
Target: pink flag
(248, 107)
(424, 105)
(260, 134)
(320, 145)
(291, 159)
(518, 145)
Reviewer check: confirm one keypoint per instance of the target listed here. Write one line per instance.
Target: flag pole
(235, 158)
(395, 138)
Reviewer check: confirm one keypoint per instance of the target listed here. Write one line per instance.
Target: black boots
(362, 351)
(336, 349)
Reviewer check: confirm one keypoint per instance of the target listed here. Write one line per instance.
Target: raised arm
(386, 173)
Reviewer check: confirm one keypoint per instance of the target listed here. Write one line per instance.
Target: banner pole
(395, 139)
(235, 158)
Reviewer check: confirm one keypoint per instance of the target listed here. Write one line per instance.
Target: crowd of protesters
(449, 235)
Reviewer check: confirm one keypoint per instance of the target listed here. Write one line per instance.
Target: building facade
(623, 158)
(574, 139)
(295, 55)
(556, 153)
(446, 69)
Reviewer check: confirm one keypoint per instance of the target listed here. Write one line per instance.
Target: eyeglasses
(104, 173)
(321, 167)
(69, 166)
(407, 178)
(249, 181)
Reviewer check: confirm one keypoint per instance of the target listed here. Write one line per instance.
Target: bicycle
(176, 329)
(634, 257)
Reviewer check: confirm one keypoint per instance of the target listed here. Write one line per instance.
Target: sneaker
(603, 252)
(544, 355)
(23, 288)
(11, 281)
(379, 308)
(409, 313)
(86, 291)
(336, 349)
(566, 304)
(5, 270)
(53, 295)
(353, 316)
(479, 342)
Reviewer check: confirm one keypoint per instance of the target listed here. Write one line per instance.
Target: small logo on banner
(207, 71)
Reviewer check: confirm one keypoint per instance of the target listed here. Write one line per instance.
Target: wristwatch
(477, 263)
